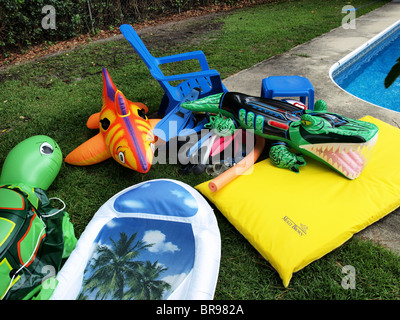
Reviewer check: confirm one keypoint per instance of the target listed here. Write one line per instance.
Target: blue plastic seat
(288, 86)
(208, 81)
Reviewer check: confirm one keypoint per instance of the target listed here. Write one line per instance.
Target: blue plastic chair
(208, 81)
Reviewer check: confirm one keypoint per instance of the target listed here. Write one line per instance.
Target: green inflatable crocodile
(34, 236)
(341, 143)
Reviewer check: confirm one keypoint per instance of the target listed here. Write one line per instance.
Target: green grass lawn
(55, 96)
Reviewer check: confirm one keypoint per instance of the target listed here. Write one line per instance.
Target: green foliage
(21, 20)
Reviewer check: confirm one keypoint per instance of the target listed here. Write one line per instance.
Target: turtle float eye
(46, 148)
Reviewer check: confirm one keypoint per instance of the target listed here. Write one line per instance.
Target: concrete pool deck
(313, 61)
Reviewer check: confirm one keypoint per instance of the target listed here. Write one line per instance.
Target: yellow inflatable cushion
(294, 219)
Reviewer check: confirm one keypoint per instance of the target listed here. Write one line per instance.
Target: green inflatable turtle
(34, 236)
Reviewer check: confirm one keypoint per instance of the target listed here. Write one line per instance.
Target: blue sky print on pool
(162, 198)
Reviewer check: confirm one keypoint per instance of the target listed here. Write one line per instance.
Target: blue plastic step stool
(288, 86)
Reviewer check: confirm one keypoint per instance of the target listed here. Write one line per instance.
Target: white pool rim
(360, 52)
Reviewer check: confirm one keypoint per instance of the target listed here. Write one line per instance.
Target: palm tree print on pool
(148, 287)
(138, 259)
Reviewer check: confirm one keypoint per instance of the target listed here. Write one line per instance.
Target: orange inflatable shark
(126, 134)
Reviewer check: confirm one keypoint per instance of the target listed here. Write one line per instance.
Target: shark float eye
(142, 114)
(46, 148)
(121, 156)
(105, 123)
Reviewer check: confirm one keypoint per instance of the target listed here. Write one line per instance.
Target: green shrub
(21, 20)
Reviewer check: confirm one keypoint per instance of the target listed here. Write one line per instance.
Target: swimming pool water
(365, 78)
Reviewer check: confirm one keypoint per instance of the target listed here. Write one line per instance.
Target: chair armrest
(194, 55)
(185, 76)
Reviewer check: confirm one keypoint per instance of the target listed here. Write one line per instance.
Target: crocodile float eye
(121, 156)
(308, 120)
(46, 148)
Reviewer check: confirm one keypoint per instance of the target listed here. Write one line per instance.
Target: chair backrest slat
(133, 38)
(175, 93)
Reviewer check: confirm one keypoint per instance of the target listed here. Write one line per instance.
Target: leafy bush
(21, 20)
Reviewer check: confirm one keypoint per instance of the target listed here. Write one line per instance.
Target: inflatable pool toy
(155, 240)
(34, 236)
(341, 143)
(291, 232)
(202, 148)
(240, 168)
(32, 163)
(221, 143)
(126, 134)
(223, 126)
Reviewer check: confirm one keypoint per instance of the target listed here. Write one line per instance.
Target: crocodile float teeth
(348, 158)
